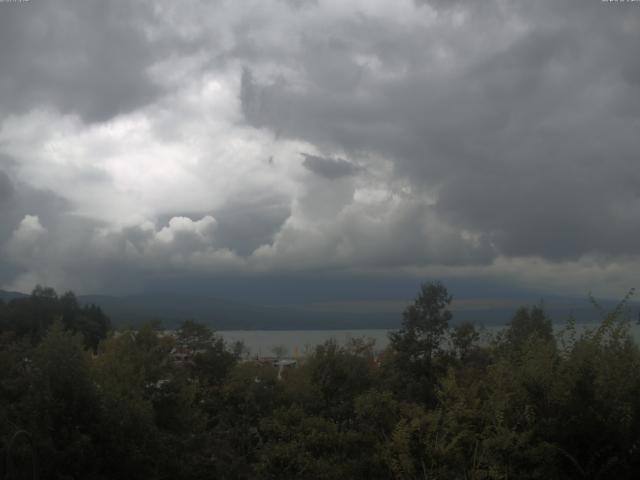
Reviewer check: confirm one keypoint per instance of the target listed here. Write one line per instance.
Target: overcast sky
(496, 141)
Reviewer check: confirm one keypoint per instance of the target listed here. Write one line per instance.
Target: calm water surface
(298, 342)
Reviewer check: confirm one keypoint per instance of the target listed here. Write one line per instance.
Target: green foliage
(65, 402)
(464, 340)
(527, 323)
(424, 322)
(415, 358)
(339, 374)
(437, 404)
(31, 317)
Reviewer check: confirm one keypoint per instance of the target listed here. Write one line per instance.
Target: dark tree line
(438, 403)
(31, 317)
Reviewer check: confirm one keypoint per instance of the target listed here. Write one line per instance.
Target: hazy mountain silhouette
(220, 314)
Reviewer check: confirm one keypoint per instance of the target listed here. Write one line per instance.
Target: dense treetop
(80, 401)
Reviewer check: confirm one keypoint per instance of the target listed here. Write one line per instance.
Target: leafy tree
(147, 408)
(464, 340)
(66, 405)
(210, 359)
(413, 364)
(528, 322)
(424, 322)
(250, 394)
(438, 404)
(31, 317)
(302, 445)
(89, 320)
(340, 375)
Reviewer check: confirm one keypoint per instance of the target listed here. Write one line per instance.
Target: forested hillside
(79, 401)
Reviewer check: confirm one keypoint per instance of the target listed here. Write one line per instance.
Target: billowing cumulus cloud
(27, 240)
(141, 139)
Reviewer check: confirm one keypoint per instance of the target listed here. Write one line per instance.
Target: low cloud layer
(149, 139)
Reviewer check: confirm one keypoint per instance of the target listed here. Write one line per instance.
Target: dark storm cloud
(18, 200)
(47, 211)
(330, 168)
(6, 188)
(474, 133)
(528, 134)
(244, 227)
(85, 57)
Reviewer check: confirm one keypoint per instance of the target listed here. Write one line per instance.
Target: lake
(298, 342)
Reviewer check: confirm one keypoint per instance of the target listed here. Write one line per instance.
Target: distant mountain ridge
(8, 296)
(228, 315)
(172, 308)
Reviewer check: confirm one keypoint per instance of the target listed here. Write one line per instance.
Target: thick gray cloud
(521, 117)
(330, 168)
(84, 57)
(18, 199)
(242, 225)
(457, 138)
(6, 188)
(245, 227)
